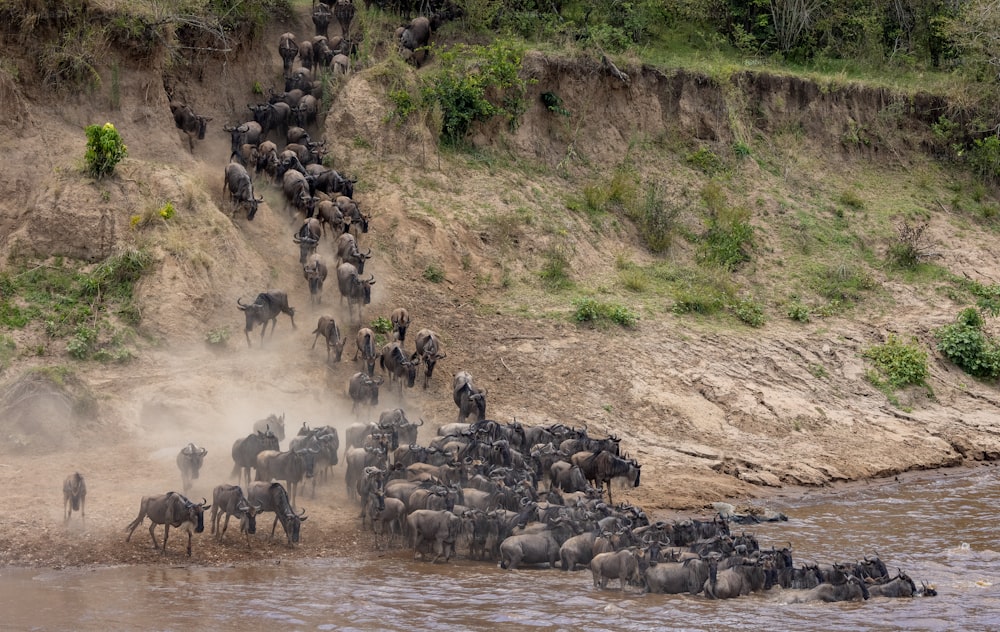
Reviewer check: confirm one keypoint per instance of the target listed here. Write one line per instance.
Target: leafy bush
(468, 78)
(984, 157)
(656, 221)
(554, 103)
(749, 311)
(699, 300)
(381, 325)
(105, 149)
(218, 336)
(728, 239)
(900, 364)
(596, 312)
(433, 273)
(798, 312)
(964, 343)
(555, 269)
(909, 247)
(705, 161)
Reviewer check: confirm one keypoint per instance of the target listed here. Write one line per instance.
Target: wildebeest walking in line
(468, 397)
(245, 452)
(189, 461)
(74, 495)
(429, 351)
(327, 327)
(170, 510)
(365, 340)
(266, 307)
(187, 121)
(273, 497)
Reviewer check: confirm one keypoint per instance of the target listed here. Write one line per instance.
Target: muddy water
(940, 530)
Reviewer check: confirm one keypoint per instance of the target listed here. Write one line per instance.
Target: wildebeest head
(195, 514)
(248, 517)
(307, 245)
(194, 457)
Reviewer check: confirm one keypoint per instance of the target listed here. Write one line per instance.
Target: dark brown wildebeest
(347, 251)
(245, 452)
(621, 565)
(745, 577)
(414, 40)
(266, 307)
(357, 290)
(273, 497)
(327, 327)
(75, 496)
(400, 319)
(314, 272)
(189, 462)
(170, 510)
(274, 423)
(240, 187)
(321, 17)
(601, 467)
(229, 500)
(674, 578)
(343, 10)
(307, 237)
(429, 350)
(468, 397)
(899, 586)
(400, 367)
(438, 529)
(291, 466)
(366, 349)
(363, 389)
(187, 121)
(289, 50)
(852, 589)
(536, 548)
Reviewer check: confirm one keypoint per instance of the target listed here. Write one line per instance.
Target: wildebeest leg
(83, 510)
(166, 530)
(225, 525)
(190, 535)
(274, 525)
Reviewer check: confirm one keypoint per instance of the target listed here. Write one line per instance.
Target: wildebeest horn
(203, 451)
(240, 303)
(204, 501)
(371, 279)
(421, 421)
(296, 238)
(302, 513)
(525, 501)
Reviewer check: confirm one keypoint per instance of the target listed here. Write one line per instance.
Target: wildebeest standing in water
(170, 510)
(266, 307)
(74, 495)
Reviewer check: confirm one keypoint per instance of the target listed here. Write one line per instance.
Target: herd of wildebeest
(508, 493)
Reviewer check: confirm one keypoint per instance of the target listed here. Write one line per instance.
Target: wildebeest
(365, 341)
(357, 290)
(468, 397)
(621, 565)
(674, 578)
(578, 550)
(291, 466)
(321, 17)
(314, 272)
(400, 319)
(429, 351)
(535, 548)
(245, 452)
(343, 10)
(384, 511)
(899, 586)
(438, 528)
(288, 48)
(274, 423)
(601, 467)
(270, 116)
(74, 496)
(742, 579)
(297, 187)
(852, 589)
(245, 133)
(170, 510)
(229, 500)
(330, 217)
(398, 365)
(395, 419)
(414, 39)
(327, 327)
(347, 251)
(237, 182)
(307, 236)
(363, 389)
(266, 307)
(273, 497)
(188, 122)
(189, 461)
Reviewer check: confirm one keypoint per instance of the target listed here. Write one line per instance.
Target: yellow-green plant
(105, 149)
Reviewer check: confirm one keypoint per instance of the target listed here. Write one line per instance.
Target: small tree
(105, 149)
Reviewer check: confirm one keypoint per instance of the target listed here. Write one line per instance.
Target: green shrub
(706, 161)
(105, 149)
(381, 325)
(596, 312)
(80, 345)
(698, 299)
(656, 221)
(964, 343)
(728, 240)
(433, 273)
(798, 312)
(900, 364)
(749, 311)
(555, 269)
(984, 157)
(218, 336)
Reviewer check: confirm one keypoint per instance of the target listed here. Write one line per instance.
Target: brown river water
(940, 529)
